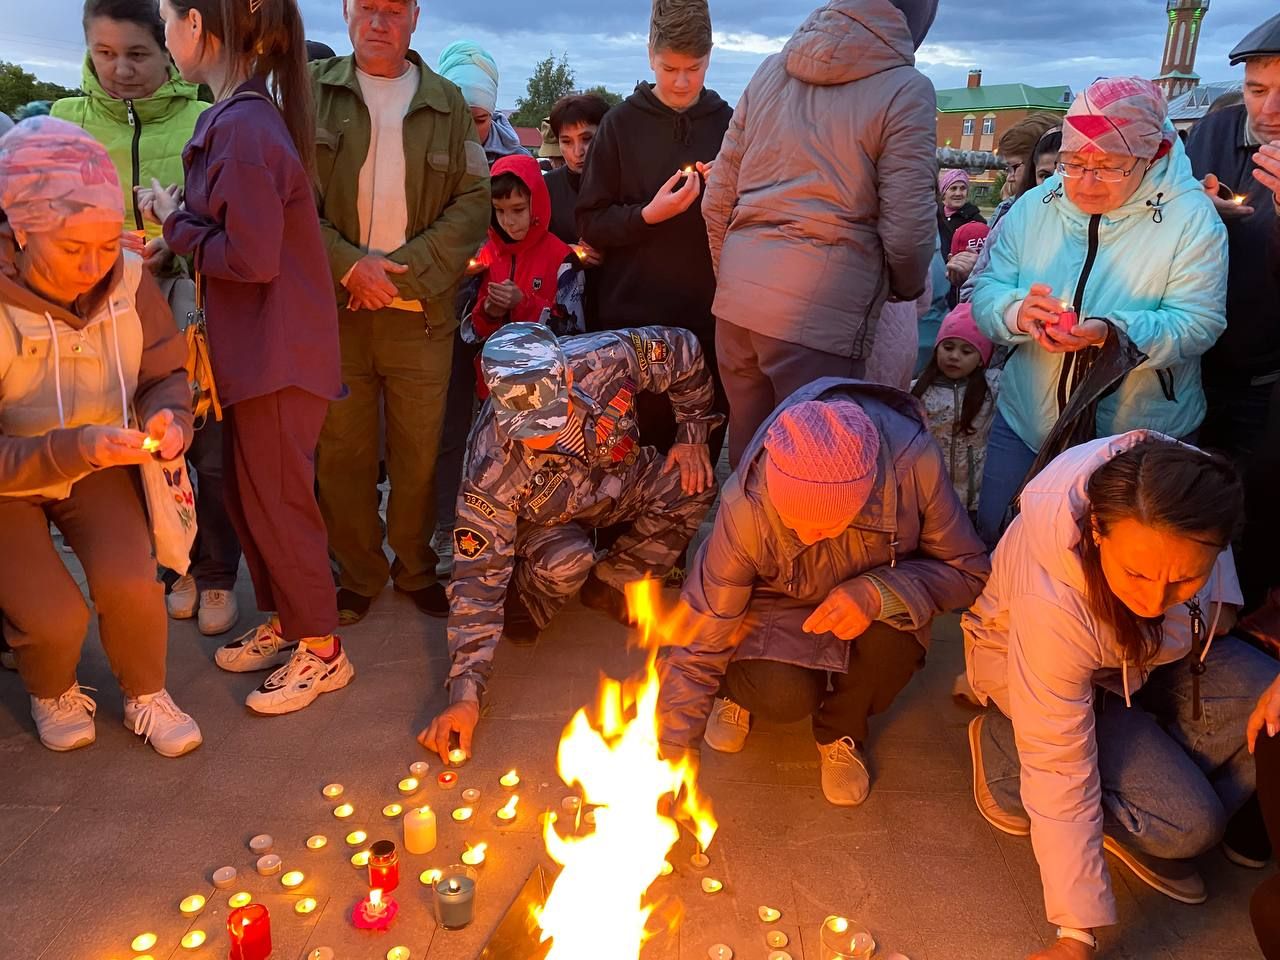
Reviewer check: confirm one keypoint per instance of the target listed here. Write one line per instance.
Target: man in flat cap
(1237, 153)
(555, 454)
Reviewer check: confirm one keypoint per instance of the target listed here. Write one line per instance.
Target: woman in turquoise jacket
(1121, 236)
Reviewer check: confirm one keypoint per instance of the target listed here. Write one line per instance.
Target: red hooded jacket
(533, 263)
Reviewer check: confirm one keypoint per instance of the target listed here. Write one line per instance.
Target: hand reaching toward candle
(460, 718)
(694, 462)
(166, 435)
(502, 298)
(669, 202)
(158, 203)
(1064, 949)
(156, 257)
(589, 255)
(1266, 168)
(847, 611)
(113, 446)
(1227, 209)
(369, 285)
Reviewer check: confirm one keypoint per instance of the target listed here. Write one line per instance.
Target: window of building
(968, 127)
(988, 126)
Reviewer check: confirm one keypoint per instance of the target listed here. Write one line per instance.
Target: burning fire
(601, 896)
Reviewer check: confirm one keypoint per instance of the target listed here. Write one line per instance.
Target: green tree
(610, 97)
(551, 80)
(18, 87)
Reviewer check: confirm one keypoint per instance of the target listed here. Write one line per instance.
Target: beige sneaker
(846, 781)
(218, 612)
(258, 649)
(183, 598)
(300, 681)
(65, 722)
(157, 719)
(728, 727)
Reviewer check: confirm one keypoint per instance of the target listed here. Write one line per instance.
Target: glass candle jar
(384, 866)
(844, 939)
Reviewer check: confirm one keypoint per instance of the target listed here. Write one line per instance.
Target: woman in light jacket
(1118, 698)
(1124, 237)
(90, 368)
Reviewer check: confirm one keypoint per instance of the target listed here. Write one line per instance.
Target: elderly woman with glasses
(1123, 237)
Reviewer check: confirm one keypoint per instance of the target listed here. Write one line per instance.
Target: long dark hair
(1167, 486)
(144, 13)
(267, 41)
(1051, 142)
(975, 391)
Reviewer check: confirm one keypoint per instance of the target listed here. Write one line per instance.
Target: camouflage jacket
(504, 483)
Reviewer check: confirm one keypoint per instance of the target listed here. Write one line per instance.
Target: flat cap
(1262, 41)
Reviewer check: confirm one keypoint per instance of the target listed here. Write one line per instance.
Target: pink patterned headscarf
(947, 177)
(54, 174)
(1121, 115)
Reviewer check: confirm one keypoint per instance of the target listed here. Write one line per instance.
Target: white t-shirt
(384, 215)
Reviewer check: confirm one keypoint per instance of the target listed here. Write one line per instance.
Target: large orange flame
(601, 897)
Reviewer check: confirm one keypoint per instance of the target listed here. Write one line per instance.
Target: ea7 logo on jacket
(537, 284)
(469, 543)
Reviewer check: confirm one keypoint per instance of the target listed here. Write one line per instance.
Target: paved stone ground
(101, 844)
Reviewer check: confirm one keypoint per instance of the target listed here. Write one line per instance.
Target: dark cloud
(1010, 40)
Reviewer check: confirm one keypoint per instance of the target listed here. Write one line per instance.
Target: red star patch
(469, 543)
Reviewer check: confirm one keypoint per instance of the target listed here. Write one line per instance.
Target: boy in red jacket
(522, 258)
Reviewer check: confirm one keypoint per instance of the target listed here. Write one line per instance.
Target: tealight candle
(224, 877)
(462, 814)
(343, 810)
(571, 803)
(241, 899)
(474, 856)
(398, 953)
(194, 939)
(317, 841)
(375, 912)
(408, 785)
(470, 795)
(711, 885)
(457, 756)
(332, 790)
(778, 955)
(507, 813)
(356, 837)
(769, 915)
(304, 906)
(261, 844)
(846, 938)
(269, 864)
(589, 818)
(150, 444)
(776, 938)
(429, 878)
(191, 905)
(392, 810)
(360, 860)
(144, 942)
(420, 830)
(419, 768)
(447, 780)
(321, 953)
(720, 951)
(700, 860)
(509, 780)
(292, 879)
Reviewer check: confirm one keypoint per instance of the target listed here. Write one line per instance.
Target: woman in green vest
(137, 105)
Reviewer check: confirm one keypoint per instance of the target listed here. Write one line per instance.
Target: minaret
(1178, 68)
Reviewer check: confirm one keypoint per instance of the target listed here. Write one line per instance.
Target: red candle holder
(249, 929)
(384, 866)
(447, 779)
(374, 912)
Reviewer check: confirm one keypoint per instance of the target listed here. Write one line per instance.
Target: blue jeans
(1008, 460)
(1169, 783)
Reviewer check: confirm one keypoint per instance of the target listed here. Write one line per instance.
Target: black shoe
(517, 621)
(600, 596)
(431, 599)
(1245, 842)
(352, 607)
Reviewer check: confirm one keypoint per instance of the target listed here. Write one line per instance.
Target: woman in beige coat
(91, 382)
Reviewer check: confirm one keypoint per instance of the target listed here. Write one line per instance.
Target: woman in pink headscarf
(955, 208)
(91, 367)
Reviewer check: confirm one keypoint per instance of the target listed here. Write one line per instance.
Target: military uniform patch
(638, 344)
(549, 486)
(656, 351)
(469, 543)
(480, 504)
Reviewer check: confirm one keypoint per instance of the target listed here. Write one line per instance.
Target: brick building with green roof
(974, 117)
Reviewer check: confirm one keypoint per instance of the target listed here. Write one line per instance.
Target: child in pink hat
(959, 393)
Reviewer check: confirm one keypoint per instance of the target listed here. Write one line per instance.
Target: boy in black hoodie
(639, 203)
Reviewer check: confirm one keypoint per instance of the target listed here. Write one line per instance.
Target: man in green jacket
(403, 189)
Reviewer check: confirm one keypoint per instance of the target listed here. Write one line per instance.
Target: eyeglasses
(1074, 171)
(1011, 169)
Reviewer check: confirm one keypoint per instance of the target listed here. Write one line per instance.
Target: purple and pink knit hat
(821, 464)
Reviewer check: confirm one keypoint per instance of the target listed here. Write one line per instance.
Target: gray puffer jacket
(810, 234)
(754, 582)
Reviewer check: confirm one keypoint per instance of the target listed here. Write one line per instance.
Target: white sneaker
(846, 781)
(258, 649)
(728, 727)
(442, 544)
(157, 719)
(300, 681)
(65, 722)
(183, 598)
(218, 612)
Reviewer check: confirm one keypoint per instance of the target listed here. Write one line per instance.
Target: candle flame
(375, 896)
(474, 855)
(509, 779)
(1238, 199)
(612, 755)
(509, 810)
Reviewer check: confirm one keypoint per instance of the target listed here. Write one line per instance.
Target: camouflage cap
(524, 369)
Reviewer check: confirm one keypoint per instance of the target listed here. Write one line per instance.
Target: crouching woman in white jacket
(1118, 699)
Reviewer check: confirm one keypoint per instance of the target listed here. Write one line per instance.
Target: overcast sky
(1040, 43)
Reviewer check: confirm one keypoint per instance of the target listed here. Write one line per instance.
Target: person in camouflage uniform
(554, 455)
